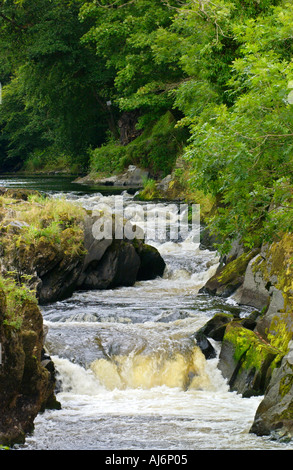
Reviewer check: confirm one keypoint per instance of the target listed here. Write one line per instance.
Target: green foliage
(107, 159)
(124, 35)
(51, 99)
(149, 191)
(222, 70)
(158, 147)
(242, 153)
(47, 160)
(15, 296)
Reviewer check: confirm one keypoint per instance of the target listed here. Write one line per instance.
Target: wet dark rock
(216, 326)
(111, 263)
(205, 345)
(152, 264)
(118, 267)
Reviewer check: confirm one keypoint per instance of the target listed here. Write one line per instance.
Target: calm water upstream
(129, 373)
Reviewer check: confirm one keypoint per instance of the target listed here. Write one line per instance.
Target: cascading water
(130, 375)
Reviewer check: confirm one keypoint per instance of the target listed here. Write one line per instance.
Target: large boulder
(255, 291)
(45, 265)
(111, 262)
(118, 267)
(274, 415)
(246, 360)
(229, 277)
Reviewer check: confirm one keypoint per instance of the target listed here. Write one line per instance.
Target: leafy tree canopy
(71, 68)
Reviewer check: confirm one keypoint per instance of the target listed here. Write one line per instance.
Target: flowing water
(130, 375)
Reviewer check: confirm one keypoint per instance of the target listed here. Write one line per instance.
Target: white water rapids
(130, 376)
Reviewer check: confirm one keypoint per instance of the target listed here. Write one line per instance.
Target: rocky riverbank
(51, 245)
(27, 374)
(48, 251)
(256, 354)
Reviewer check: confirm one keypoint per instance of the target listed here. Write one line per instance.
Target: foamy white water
(131, 376)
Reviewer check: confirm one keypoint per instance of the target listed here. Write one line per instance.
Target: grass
(42, 220)
(30, 228)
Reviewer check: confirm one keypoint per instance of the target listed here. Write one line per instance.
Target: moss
(15, 296)
(287, 414)
(235, 268)
(249, 348)
(276, 268)
(230, 276)
(286, 384)
(278, 264)
(280, 333)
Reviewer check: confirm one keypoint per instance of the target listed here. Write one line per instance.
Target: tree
(125, 35)
(56, 81)
(242, 153)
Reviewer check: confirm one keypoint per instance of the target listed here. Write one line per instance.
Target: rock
(163, 185)
(274, 415)
(133, 177)
(216, 326)
(246, 360)
(255, 291)
(78, 255)
(110, 262)
(204, 344)
(118, 267)
(207, 240)
(152, 264)
(15, 225)
(229, 277)
(54, 272)
(26, 386)
(95, 249)
(215, 329)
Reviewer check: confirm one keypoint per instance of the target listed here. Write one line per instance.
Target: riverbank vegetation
(92, 87)
(34, 227)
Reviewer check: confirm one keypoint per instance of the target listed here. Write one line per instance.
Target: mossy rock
(246, 360)
(274, 415)
(229, 277)
(19, 193)
(26, 385)
(216, 326)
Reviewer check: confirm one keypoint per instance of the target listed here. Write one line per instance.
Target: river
(130, 375)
